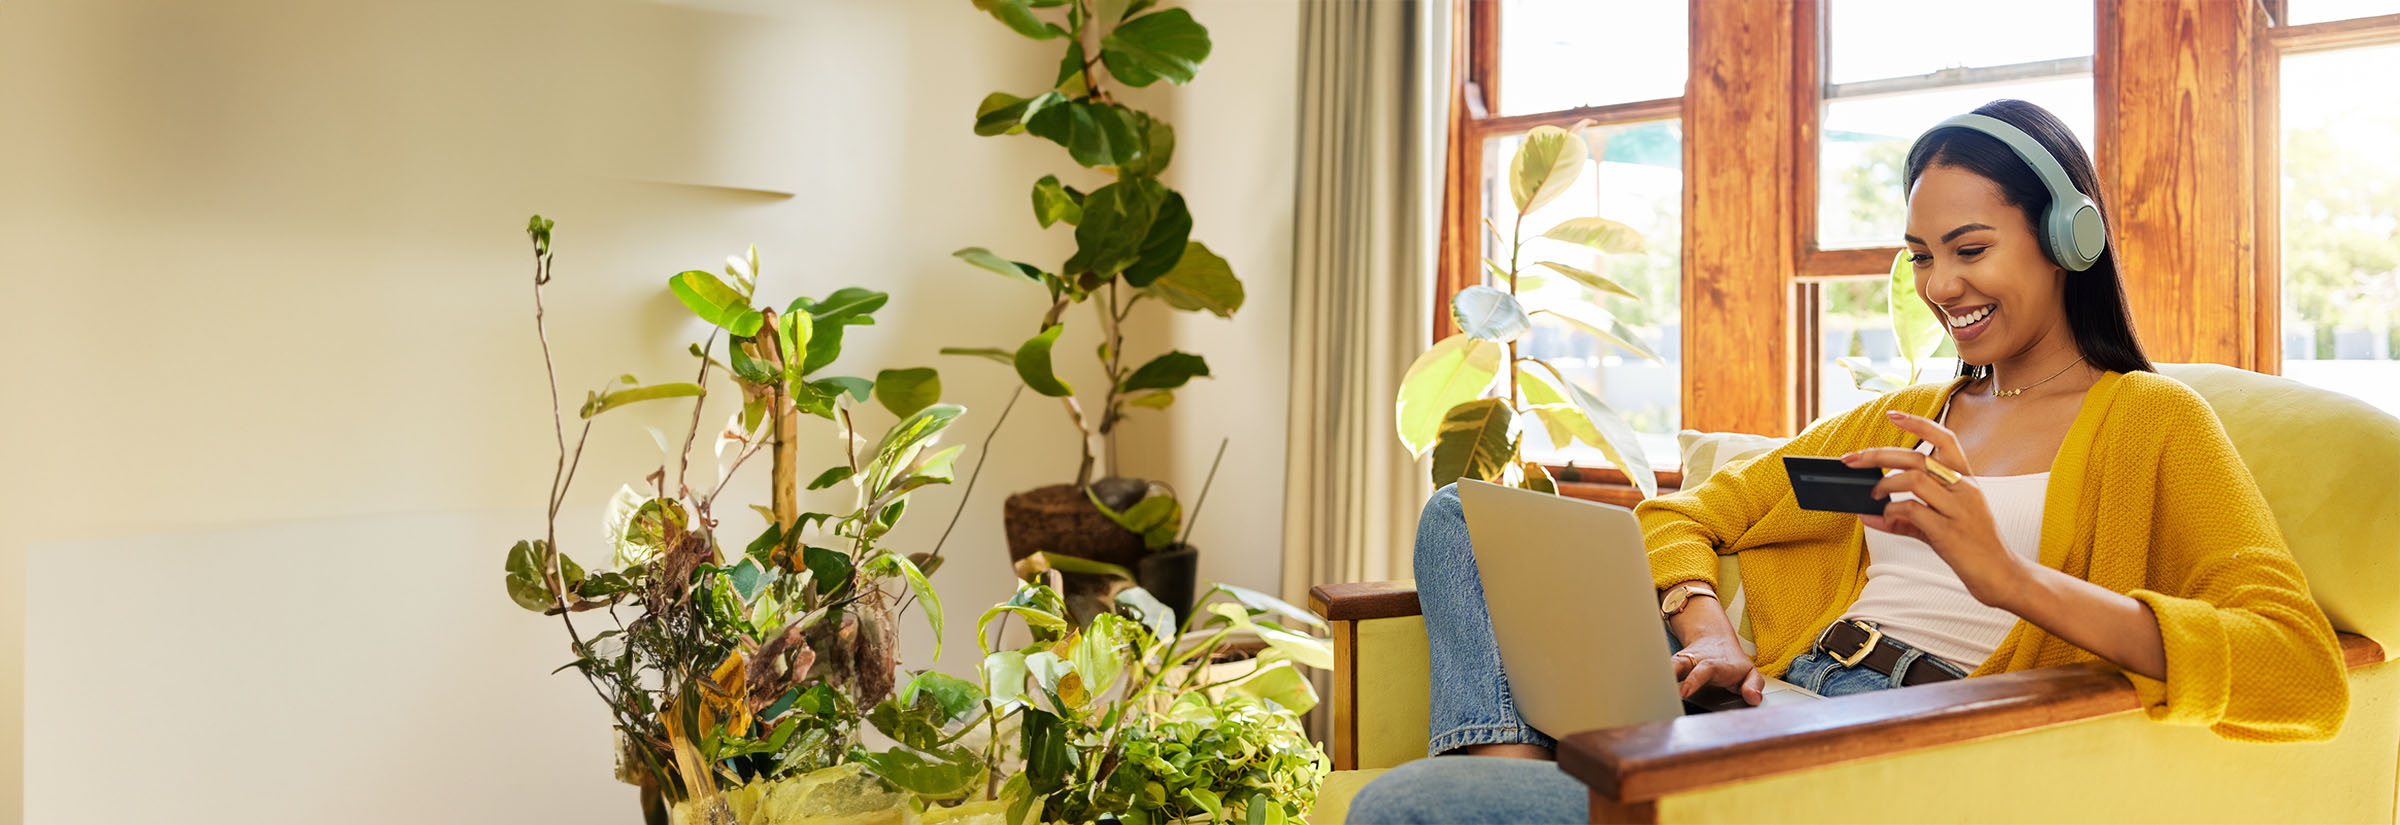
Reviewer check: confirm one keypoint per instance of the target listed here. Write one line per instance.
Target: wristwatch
(1680, 594)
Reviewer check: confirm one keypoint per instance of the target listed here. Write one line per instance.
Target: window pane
(1876, 39)
(1637, 180)
(1854, 321)
(1864, 141)
(2319, 11)
(1562, 54)
(2341, 223)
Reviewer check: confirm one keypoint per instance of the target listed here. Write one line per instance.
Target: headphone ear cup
(2075, 234)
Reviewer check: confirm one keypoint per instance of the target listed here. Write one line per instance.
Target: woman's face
(1980, 268)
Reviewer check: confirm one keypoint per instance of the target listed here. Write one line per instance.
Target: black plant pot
(1169, 575)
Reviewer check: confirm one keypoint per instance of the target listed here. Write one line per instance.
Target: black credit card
(1828, 485)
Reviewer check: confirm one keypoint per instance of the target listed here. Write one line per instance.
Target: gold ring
(1941, 472)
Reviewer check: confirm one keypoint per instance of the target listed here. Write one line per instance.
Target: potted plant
(1465, 399)
(738, 663)
(1122, 717)
(1132, 245)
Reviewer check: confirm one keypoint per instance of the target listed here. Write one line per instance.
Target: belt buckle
(1874, 635)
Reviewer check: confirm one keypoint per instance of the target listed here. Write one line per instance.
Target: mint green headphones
(2071, 230)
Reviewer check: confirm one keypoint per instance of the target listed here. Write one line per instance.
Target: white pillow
(1703, 455)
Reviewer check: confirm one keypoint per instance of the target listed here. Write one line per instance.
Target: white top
(1915, 597)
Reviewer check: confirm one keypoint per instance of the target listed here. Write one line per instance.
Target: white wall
(261, 261)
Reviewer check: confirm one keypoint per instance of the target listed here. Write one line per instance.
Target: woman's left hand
(1952, 517)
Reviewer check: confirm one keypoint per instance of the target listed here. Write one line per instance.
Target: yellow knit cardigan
(2146, 498)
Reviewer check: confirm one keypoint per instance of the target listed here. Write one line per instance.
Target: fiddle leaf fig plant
(1466, 400)
(724, 661)
(1914, 326)
(1132, 233)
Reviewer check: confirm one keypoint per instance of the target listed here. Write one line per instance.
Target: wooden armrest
(1640, 763)
(1359, 601)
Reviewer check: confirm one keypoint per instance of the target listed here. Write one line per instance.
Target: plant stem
(981, 455)
(682, 486)
(1516, 244)
(1204, 487)
(554, 575)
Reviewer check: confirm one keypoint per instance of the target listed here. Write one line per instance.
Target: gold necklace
(1997, 392)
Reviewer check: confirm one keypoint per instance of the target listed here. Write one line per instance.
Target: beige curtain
(1375, 86)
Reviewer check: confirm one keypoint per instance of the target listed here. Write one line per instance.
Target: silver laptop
(1568, 584)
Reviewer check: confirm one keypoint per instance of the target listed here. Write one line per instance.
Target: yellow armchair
(2065, 744)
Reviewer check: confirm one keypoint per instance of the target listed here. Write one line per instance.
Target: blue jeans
(1471, 703)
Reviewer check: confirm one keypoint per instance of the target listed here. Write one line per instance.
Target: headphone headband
(2072, 232)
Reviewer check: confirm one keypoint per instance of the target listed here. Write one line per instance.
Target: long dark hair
(2095, 297)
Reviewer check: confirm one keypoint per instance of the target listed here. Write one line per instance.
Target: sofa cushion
(2325, 462)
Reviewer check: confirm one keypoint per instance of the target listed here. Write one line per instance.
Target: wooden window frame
(2273, 41)
(1474, 119)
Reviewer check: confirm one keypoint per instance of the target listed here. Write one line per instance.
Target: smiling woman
(2058, 502)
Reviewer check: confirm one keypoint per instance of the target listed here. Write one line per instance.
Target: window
(2340, 218)
(1785, 165)
(1621, 68)
(1878, 87)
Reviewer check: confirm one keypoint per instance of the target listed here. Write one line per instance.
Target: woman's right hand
(1717, 659)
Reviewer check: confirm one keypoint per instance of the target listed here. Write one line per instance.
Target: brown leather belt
(1855, 643)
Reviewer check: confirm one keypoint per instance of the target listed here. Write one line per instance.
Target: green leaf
(1263, 603)
(1199, 282)
(1083, 566)
(904, 392)
(1473, 442)
(1302, 648)
(715, 302)
(1589, 278)
(1617, 441)
(612, 400)
(992, 353)
(1163, 246)
(1033, 364)
(525, 579)
(923, 588)
(1166, 372)
(1281, 684)
(950, 773)
(746, 578)
(1598, 233)
(1099, 653)
(1157, 147)
(1456, 370)
(1018, 14)
(848, 306)
(831, 568)
(857, 388)
(1095, 134)
(1489, 314)
(1155, 615)
(751, 369)
(982, 257)
(1591, 318)
(1051, 204)
(1865, 376)
(1047, 762)
(1116, 222)
(955, 696)
(796, 332)
(1071, 80)
(1546, 164)
(763, 547)
(1005, 114)
(1145, 49)
(1005, 673)
(896, 455)
(830, 477)
(1914, 324)
(1157, 400)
